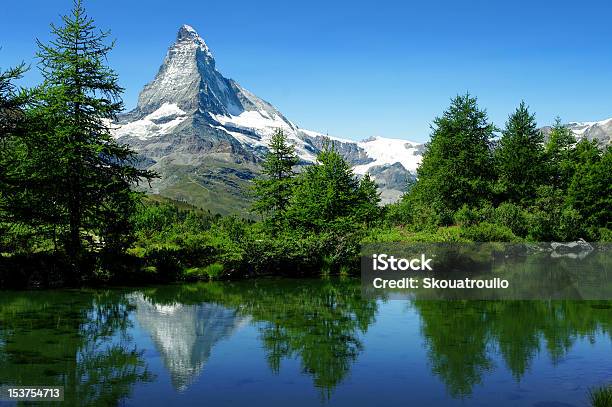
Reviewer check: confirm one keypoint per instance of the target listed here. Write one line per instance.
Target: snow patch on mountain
(580, 128)
(162, 121)
(262, 124)
(386, 151)
(598, 131)
(261, 120)
(190, 114)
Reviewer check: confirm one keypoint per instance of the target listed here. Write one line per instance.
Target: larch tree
(457, 167)
(91, 174)
(519, 158)
(273, 191)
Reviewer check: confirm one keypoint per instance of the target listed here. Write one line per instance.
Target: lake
(301, 342)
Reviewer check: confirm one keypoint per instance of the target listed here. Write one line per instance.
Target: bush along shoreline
(70, 216)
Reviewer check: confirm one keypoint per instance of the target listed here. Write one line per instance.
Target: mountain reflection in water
(184, 335)
(315, 340)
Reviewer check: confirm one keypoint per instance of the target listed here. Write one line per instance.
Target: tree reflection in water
(319, 321)
(462, 336)
(75, 339)
(80, 339)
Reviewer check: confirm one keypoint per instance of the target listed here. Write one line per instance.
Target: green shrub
(385, 235)
(601, 397)
(512, 216)
(570, 225)
(466, 216)
(486, 212)
(399, 213)
(605, 235)
(441, 234)
(397, 234)
(488, 232)
(210, 272)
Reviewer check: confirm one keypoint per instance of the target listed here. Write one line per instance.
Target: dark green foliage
(273, 191)
(545, 214)
(558, 154)
(519, 158)
(17, 232)
(590, 189)
(466, 216)
(560, 190)
(327, 195)
(315, 218)
(488, 232)
(513, 217)
(457, 167)
(12, 101)
(550, 219)
(367, 209)
(605, 235)
(324, 220)
(87, 174)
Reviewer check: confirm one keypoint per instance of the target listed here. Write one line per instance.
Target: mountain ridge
(203, 131)
(206, 135)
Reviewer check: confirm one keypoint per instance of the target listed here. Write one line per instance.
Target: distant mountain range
(600, 131)
(206, 135)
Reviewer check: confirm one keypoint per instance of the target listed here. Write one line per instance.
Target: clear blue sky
(357, 69)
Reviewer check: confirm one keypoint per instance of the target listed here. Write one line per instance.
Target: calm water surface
(283, 342)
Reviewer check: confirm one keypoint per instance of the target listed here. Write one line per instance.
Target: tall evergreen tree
(368, 209)
(23, 210)
(12, 100)
(558, 149)
(327, 193)
(91, 173)
(519, 158)
(457, 167)
(11, 115)
(274, 190)
(590, 189)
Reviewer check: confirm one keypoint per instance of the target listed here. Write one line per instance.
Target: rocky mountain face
(206, 135)
(600, 131)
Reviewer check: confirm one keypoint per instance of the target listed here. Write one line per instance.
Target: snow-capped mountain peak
(600, 131)
(191, 113)
(187, 34)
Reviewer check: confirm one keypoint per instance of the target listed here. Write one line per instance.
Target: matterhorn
(205, 135)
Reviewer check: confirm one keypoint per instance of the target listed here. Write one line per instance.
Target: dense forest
(69, 212)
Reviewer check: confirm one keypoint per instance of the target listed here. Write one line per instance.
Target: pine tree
(12, 100)
(273, 192)
(327, 192)
(590, 189)
(368, 209)
(12, 104)
(457, 167)
(91, 173)
(16, 194)
(558, 150)
(519, 158)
